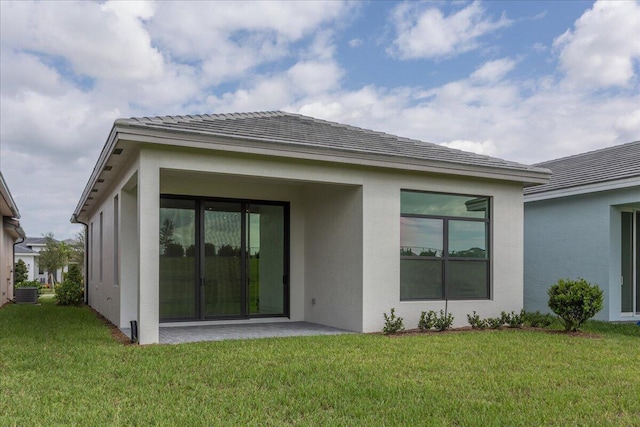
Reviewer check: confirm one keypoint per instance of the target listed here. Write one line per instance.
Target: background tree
(53, 257)
(166, 235)
(20, 272)
(77, 250)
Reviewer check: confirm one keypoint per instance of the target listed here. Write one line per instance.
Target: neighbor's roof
(620, 163)
(298, 130)
(21, 249)
(29, 241)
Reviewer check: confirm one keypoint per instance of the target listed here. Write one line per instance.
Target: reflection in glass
(436, 204)
(222, 260)
(177, 265)
(266, 259)
(420, 279)
(421, 237)
(467, 279)
(467, 239)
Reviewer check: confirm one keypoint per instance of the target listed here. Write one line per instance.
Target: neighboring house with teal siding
(586, 223)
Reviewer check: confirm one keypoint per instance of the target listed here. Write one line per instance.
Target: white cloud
(487, 147)
(494, 70)
(604, 46)
(355, 43)
(427, 33)
(100, 41)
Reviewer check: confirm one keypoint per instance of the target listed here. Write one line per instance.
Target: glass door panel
(223, 293)
(178, 263)
(266, 247)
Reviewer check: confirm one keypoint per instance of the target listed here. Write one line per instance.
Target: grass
(60, 366)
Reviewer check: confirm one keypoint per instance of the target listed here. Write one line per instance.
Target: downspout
(13, 266)
(86, 257)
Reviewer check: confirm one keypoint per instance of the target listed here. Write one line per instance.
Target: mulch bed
(414, 332)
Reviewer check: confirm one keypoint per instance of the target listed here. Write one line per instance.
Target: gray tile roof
(605, 165)
(35, 241)
(20, 249)
(299, 131)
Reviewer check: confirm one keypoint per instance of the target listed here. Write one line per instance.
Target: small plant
(537, 319)
(574, 301)
(443, 322)
(475, 321)
(427, 320)
(513, 319)
(494, 322)
(70, 292)
(392, 323)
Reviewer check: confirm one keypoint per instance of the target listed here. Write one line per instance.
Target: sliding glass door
(233, 263)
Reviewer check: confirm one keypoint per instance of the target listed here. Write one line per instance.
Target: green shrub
(537, 319)
(574, 301)
(392, 323)
(494, 322)
(475, 321)
(20, 272)
(443, 322)
(427, 320)
(513, 319)
(71, 292)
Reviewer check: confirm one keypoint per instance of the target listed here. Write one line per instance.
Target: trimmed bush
(444, 321)
(70, 291)
(574, 301)
(538, 320)
(427, 320)
(392, 323)
(475, 321)
(513, 319)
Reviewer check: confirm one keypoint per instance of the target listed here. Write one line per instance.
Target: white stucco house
(585, 223)
(10, 233)
(28, 251)
(273, 216)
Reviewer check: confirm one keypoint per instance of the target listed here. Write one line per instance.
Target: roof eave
(583, 189)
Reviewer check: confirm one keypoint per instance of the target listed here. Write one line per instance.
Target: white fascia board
(583, 189)
(287, 150)
(102, 161)
(6, 195)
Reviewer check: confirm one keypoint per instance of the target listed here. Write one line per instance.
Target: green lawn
(60, 366)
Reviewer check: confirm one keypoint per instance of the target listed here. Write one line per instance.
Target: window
(444, 246)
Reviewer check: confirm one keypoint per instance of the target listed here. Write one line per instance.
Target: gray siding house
(586, 223)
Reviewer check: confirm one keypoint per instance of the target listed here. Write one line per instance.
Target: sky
(526, 81)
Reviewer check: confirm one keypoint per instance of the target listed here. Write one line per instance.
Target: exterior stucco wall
(382, 242)
(104, 281)
(333, 256)
(6, 266)
(576, 237)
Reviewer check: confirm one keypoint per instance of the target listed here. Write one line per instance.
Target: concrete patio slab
(186, 334)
